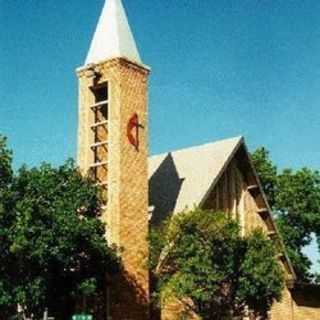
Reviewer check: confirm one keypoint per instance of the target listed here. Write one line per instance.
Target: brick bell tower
(113, 149)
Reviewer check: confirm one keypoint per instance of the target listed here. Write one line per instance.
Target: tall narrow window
(100, 131)
(101, 93)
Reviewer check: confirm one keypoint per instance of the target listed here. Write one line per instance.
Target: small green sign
(82, 317)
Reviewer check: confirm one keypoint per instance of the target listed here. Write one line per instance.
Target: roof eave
(240, 144)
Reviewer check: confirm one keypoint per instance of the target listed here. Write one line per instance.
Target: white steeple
(113, 37)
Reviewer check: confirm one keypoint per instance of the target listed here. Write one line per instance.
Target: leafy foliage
(200, 258)
(5, 163)
(6, 219)
(267, 172)
(295, 198)
(53, 247)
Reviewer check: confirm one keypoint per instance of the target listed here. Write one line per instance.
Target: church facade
(139, 191)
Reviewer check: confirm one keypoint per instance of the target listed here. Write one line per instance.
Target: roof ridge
(239, 138)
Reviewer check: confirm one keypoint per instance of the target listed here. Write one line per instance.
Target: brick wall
(306, 303)
(126, 214)
(300, 303)
(284, 309)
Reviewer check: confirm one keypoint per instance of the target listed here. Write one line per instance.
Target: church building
(139, 191)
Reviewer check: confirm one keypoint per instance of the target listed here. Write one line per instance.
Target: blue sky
(219, 69)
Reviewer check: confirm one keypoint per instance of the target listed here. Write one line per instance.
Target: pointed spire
(113, 37)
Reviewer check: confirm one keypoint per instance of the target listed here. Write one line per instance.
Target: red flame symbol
(133, 131)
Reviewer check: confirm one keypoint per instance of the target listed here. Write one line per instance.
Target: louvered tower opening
(99, 168)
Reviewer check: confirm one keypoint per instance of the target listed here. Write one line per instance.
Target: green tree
(6, 172)
(267, 172)
(200, 258)
(7, 261)
(295, 199)
(53, 245)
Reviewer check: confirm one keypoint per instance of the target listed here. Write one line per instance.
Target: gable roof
(113, 37)
(181, 179)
